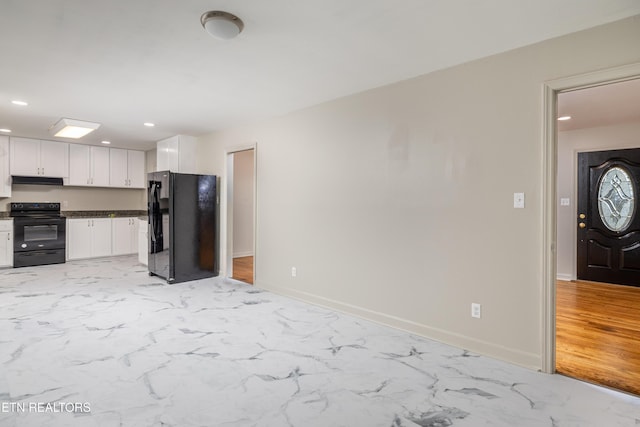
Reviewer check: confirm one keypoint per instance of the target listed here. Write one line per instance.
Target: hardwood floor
(598, 333)
(243, 269)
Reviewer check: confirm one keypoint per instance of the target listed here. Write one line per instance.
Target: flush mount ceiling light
(221, 25)
(20, 103)
(5, 130)
(70, 128)
(564, 118)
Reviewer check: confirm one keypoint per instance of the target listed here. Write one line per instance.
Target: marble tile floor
(100, 343)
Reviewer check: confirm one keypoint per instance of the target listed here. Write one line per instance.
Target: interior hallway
(243, 269)
(598, 333)
(218, 352)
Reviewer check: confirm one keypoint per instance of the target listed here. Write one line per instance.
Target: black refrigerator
(183, 226)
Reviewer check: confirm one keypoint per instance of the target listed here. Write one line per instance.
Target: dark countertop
(103, 214)
(94, 214)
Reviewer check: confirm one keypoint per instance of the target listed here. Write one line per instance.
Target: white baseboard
(242, 254)
(528, 360)
(564, 277)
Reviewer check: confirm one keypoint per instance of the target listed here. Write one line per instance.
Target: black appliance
(39, 234)
(183, 235)
(36, 180)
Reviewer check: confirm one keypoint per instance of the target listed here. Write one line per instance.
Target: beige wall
(78, 198)
(569, 144)
(396, 204)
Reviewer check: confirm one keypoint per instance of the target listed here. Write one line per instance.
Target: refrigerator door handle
(153, 192)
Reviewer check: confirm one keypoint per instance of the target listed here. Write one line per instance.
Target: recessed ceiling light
(106, 142)
(149, 125)
(21, 103)
(564, 118)
(5, 130)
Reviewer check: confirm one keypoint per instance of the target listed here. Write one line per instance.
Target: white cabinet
(88, 165)
(6, 243)
(176, 154)
(5, 176)
(124, 236)
(88, 238)
(127, 168)
(34, 157)
(143, 241)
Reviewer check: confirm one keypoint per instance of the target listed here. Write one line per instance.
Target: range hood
(36, 180)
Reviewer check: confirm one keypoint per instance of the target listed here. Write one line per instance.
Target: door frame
(549, 199)
(228, 197)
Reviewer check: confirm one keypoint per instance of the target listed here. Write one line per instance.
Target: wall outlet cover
(476, 310)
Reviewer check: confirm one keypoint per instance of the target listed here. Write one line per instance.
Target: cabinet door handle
(88, 181)
(42, 171)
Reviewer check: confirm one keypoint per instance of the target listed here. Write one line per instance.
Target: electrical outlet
(476, 310)
(294, 272)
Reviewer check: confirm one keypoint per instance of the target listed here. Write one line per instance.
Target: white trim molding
(527, 360)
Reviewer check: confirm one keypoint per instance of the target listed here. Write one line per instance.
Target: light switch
(518, 200)
(565, 201)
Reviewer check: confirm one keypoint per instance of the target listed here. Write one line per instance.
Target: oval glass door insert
(616, 199)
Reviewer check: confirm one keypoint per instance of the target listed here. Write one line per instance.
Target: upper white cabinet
(88, 165)
(127, 168)
(5, 176)
(34, 157)
(177, 154)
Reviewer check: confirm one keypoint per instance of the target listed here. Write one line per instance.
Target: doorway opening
(241, 206)
(589, 324)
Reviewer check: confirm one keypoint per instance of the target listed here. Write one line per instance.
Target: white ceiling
(600, 106)
(125, 62)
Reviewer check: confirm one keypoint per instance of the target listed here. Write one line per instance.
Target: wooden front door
(608, 219)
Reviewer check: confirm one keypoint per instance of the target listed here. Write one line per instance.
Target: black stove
(39, 234)
(35, 209)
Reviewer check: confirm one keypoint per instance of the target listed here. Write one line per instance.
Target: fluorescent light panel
(70, 128)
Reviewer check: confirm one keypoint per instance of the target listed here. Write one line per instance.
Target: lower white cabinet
(6, 243)
(124, 236)
(88, 238)
(143, 241)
